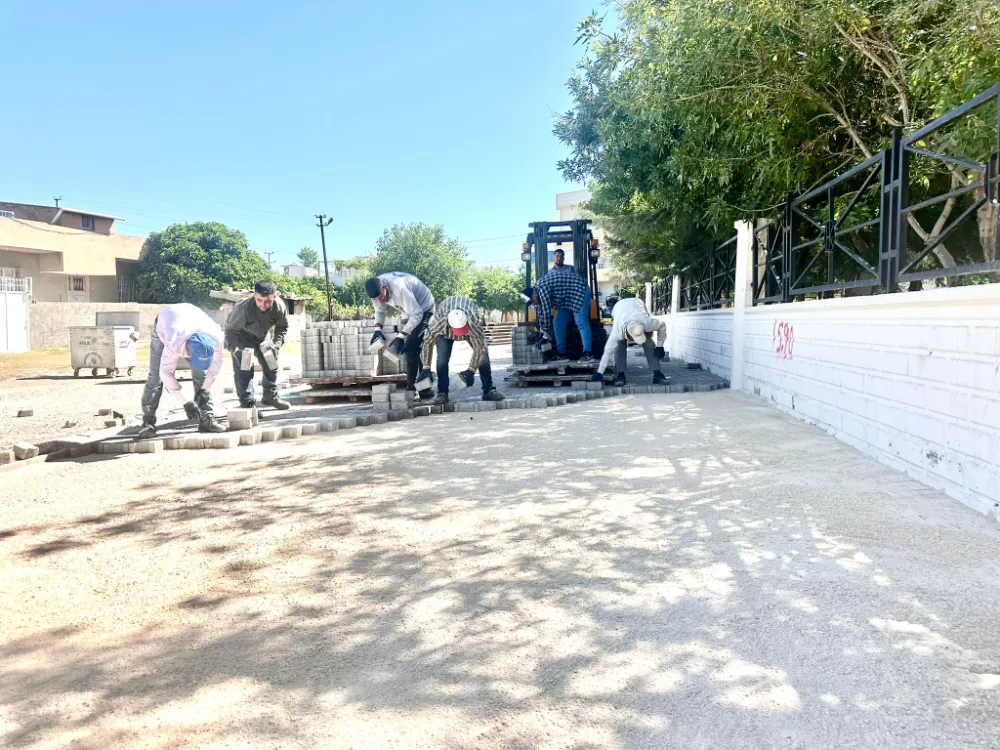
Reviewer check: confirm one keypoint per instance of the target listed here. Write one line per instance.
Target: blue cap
(201, 347)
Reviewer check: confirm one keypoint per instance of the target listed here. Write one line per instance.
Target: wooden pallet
(355, 380)
(523, 381)
(561, 368)
(351, 394)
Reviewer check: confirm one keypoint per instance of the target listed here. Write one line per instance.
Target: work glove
(192, 411)
(543, 344)
(397, 344)
(597, 378)
(377, 336)
(468, 377)
(425, 374)
(659, 353)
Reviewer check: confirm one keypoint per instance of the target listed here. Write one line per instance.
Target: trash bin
(108, 348)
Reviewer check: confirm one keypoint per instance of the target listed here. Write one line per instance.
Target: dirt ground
(688, 571)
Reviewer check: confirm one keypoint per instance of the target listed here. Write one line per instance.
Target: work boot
(440, 399)
(659, 378)
(493, 395)
(586, 358)
(619, 380)
(278, 403)
(427, 394)
(247, 403)
(559, 359)
(148, 429)
(210, 424)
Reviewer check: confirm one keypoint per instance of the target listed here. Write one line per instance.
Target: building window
(10, 273)
(87, 222)
(77, 284)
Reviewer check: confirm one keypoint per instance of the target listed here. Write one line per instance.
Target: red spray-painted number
(784, 338)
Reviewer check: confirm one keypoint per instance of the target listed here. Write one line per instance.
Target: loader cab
(582, 250)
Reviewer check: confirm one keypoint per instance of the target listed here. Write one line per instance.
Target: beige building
(67, 255)
(569, 206)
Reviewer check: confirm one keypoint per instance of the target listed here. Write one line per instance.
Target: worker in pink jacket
(183, 331)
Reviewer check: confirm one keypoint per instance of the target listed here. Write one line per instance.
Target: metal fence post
(787, 243)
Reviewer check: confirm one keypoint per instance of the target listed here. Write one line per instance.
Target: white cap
(459, 322)
(637, 332)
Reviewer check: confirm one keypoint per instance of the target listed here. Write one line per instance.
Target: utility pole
(268, 254)
(323, 223)
(57, 200)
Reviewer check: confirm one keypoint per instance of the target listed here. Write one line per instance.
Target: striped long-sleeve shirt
(438, 326)
(561, 291)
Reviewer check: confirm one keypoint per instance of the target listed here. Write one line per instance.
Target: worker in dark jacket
(246, 337)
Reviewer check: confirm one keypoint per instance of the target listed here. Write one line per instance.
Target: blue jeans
(582, 317)
(444, 346)
(243, 379)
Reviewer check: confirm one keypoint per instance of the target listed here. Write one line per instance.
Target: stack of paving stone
(523, 351)
(242, 419)
(339, 349)
(386, 397)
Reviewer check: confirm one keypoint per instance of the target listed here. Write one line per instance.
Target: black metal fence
(926, 208)
(709, 283)
(662, 295)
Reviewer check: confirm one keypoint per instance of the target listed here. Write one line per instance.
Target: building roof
(84, 211)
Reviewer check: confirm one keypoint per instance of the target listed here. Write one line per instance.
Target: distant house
(65, 254)
(340, 273)
(299, 271)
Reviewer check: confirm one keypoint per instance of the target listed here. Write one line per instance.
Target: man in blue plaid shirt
(569, 295)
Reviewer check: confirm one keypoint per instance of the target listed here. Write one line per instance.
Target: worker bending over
(631, 322)
(414, 300)
(458, 319)
(183, 332)
(569, 295)
(246, 336)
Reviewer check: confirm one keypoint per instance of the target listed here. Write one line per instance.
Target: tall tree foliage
(427, 253)
(185, 262)
(497, 289)
(692, 114)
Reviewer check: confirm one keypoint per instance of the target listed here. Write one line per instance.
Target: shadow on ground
(649, 572)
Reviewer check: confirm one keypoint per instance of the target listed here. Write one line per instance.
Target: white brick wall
(704, 337)
(911, 379)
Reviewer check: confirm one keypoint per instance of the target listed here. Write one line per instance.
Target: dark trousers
(621, 353)
(411, 350)
(444, 346)
(154, 386)
(243, 379)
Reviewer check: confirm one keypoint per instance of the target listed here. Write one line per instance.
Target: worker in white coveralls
(183, 332)
(632, 323)
(414, 300)
(458, 319)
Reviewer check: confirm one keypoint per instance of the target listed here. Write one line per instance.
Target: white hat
(637, 332)
(459, 322)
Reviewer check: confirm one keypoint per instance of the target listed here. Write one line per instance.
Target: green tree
(185, 262)
(497, 289)
(427, 253)
(695, 113)
(308, 257)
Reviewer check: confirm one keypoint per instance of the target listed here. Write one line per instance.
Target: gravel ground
(687, 571)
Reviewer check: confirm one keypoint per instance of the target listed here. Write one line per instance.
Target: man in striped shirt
(569, 294)
(458, 319)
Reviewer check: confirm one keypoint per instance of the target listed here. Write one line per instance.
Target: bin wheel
(129, 371)
(93, 372)
(76, 373)
(113, 372)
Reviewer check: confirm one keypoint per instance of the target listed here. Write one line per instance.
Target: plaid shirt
(562, 291)
(438, 326)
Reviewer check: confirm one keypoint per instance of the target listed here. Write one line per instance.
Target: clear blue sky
(261, 115)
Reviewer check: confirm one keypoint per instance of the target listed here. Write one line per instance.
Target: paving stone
(486, 406)
(310, 429)
(644, 389)
(550, 400)
(580, 385)
(539, 402)
(173, 443)
(7, 457)
(449, 408)
(104, 412)
(407, 413)
(251, 437)
(194, 442)
(437, 409)
(147, 446)
(222, 442)
(517, 403)
(395, 416)
(465, 406)
(26, 413)
(591, 395)
(270, 434)
(693, 366)
(658, 388)
(561, 401)
(365, 421)
(291, 432)
(594, 386)
(501, 405)
(329, 426)
(381, 418)
(24, 451)
(347, 423)
(110, 447)
(422, 411)
(240, 415)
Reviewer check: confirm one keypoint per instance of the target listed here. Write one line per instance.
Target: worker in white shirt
(632, 323)
(414, 300)
(183, 332)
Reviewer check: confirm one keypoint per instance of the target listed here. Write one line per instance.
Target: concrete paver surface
(687, 571)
